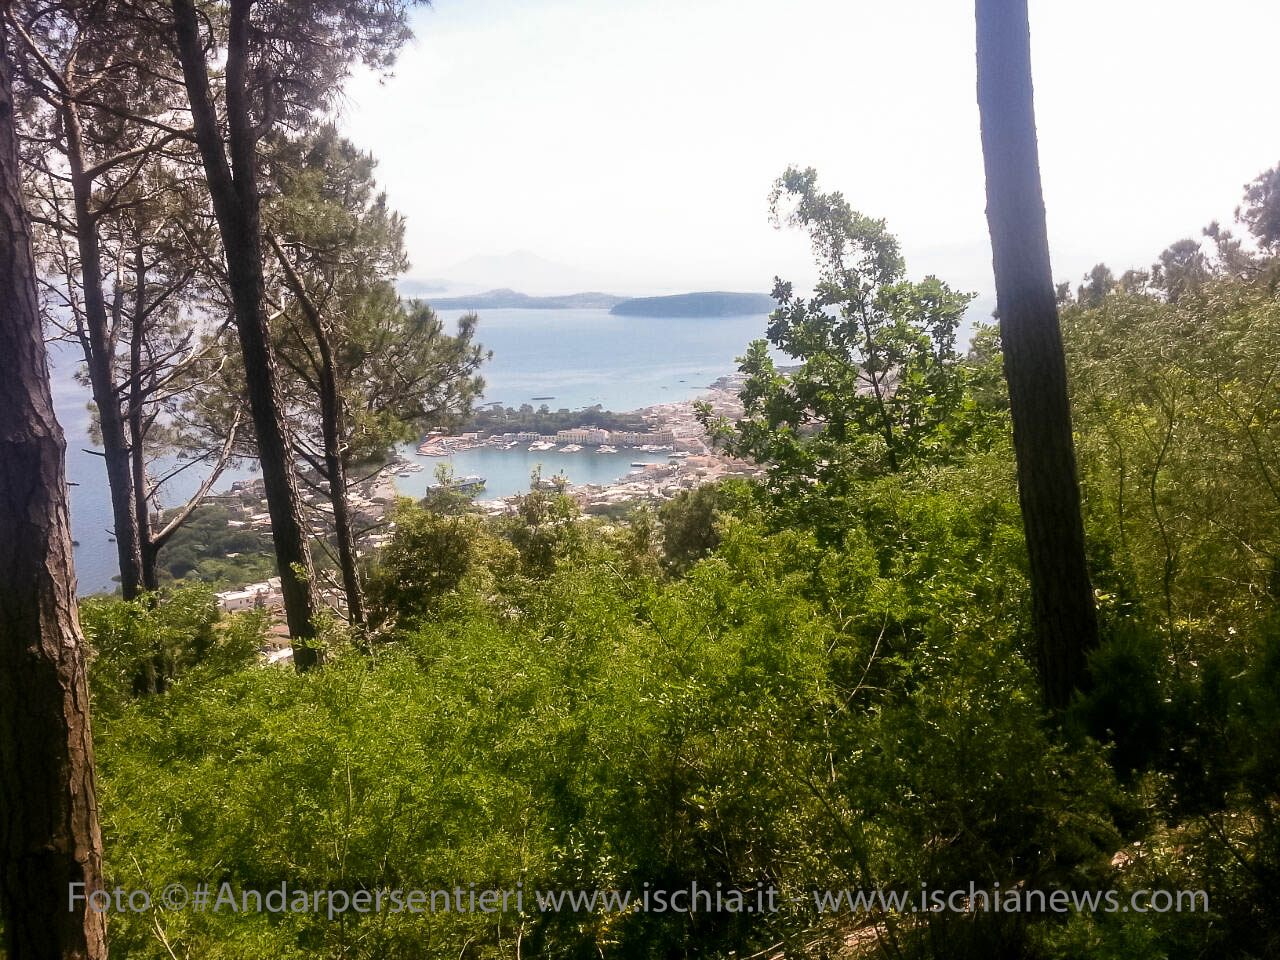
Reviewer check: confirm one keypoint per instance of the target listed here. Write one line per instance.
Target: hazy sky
(634, 141)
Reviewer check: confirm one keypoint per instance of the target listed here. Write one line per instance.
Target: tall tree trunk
(138, 455)
(331, 429)
(99, 354)
(49, 835)
(233, 188)
(1065, 618)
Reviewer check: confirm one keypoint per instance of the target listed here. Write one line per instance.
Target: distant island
(711, 304)
(513, 299)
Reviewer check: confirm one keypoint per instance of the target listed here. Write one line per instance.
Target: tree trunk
(331, 430)
(99, 354)
(49, 835)
(234, 190)
(1065, 618)
(141, 503)
(337, 471)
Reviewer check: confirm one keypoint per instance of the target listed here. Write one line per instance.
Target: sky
(629, 145)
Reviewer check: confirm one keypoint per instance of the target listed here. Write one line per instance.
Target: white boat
(605, 448)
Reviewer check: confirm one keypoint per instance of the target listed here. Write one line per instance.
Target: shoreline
(692, 460)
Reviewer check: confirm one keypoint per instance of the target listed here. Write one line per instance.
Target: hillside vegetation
(821, 680)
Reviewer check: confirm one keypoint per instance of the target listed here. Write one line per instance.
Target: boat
(542, 398)
(605, 448)
(639, 463)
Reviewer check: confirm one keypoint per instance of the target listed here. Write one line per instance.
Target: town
(672, 427)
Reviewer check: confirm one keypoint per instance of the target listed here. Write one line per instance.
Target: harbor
(602, 469)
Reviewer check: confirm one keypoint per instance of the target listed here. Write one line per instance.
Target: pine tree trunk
(331, 429)
(99, 354)
(342, 520)
(48, 808)
(234, 190)
(1034, 364)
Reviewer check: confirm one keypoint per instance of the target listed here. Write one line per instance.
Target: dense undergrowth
(807, 685)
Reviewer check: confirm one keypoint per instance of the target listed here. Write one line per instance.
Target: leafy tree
(1179, 433)
(1098, 283)
(1260, 211)
(140, 647)
(367, 370)
(1182, 269)
(428, 556)
(544, 528)
(1035, 368)
(690, 526)
(879, 383)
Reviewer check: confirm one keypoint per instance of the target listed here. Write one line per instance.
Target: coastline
(690, 462)
(692, 459)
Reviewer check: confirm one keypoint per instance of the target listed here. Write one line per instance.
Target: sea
(571, 358)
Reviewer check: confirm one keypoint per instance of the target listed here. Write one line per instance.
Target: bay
(573, 358)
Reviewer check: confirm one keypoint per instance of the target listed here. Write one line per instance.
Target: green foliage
(428, 556)
(498, 420)
(1179, 434)
(821, 681)
(208, 549)
(690, 526)
(879, 385)
(544, 529)
(142, 646)
(789, 713)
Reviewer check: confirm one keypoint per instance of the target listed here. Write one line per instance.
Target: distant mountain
(710, 304)
(508, 299)
(408, 287)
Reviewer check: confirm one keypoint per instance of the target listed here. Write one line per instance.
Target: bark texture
(48, 808)
(233, 188)
(1034, 364)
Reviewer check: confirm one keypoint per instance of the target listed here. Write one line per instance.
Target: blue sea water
(575, 357)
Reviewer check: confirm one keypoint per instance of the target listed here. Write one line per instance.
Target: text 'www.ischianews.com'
(227, 898)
